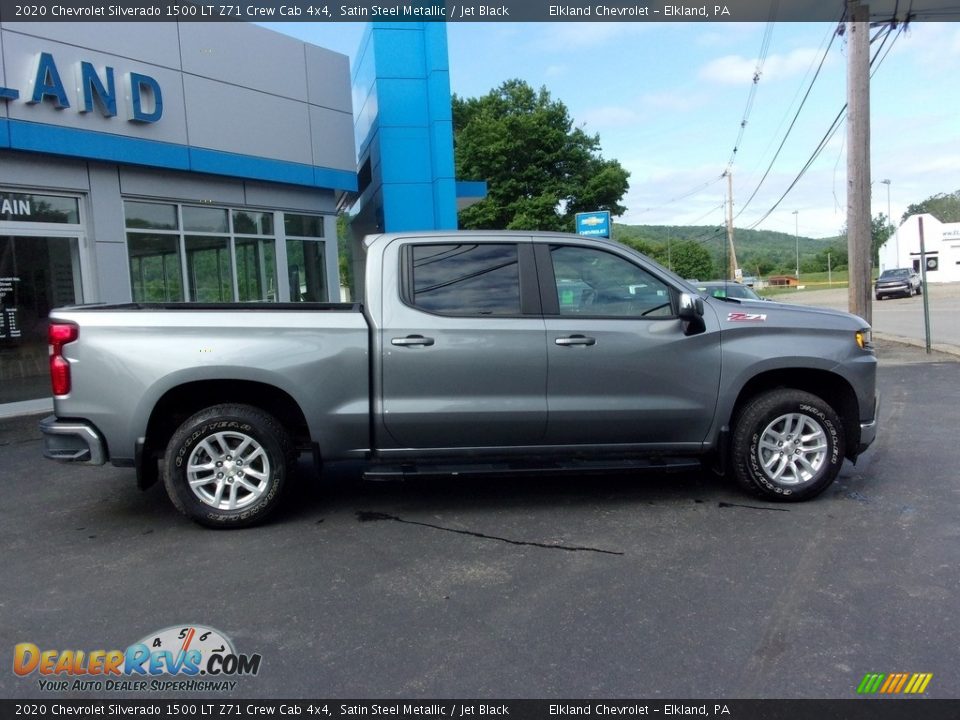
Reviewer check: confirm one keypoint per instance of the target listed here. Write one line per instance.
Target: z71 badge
(746, 317)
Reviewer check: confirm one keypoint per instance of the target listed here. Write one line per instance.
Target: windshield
(895, 274)
(731, 289)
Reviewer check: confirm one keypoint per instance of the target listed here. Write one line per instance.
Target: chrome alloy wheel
(792, 449)
(228, 470)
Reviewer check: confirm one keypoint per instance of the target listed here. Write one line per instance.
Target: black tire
(879, 298)
(251, 481)
(920, 289)
(807, 426)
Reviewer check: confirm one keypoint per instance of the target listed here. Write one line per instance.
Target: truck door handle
(410, 340)
(576, 340)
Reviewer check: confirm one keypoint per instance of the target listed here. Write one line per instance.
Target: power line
(834, 126)
(764, 50)
(776, 133)
(751, 96)
(683, 196)
(789, 129)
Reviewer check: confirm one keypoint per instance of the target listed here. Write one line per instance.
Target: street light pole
(896, 227)
(796, 234)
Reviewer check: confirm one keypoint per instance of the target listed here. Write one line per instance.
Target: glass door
(37, 274)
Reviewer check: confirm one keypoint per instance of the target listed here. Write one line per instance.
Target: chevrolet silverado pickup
(471, 352)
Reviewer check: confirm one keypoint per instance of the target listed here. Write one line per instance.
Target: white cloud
(568, 35)
(738, 70)
(608, 117)
(674, 100)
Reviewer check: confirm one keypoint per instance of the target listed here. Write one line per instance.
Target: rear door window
(465, 279)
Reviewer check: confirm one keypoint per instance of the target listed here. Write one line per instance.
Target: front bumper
(894, 290)
(868, 430)
(72, 441)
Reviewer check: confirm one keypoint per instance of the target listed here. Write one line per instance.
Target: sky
(668, 99)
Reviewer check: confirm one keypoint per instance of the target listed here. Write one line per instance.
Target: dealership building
(201, 162)
(940, 250)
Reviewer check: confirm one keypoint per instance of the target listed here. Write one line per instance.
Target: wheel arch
(180, 402)
(833, 389)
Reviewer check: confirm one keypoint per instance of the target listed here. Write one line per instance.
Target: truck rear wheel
(227, 465)
(788, 445)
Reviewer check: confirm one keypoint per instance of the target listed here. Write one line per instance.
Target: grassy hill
(759, 252)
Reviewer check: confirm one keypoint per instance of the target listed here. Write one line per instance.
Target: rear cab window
(463, 279)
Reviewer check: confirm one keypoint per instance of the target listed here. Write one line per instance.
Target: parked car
(471, 352)
(898, 281)
(726, 289)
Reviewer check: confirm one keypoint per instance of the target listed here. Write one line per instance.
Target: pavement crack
(370, 516)
(751, 507)
(27, 441)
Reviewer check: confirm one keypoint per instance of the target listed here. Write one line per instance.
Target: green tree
(540, 169)
(691, 260)
(880, 232)
(687, 258)
(945, 207)
(345, 253)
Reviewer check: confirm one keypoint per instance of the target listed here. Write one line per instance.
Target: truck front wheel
(226, 466)
(788, 445)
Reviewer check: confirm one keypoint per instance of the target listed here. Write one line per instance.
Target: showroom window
(306, 268)
(41, 237)
(190, 253)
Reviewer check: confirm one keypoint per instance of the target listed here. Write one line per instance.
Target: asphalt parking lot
(901, 318)
(592, 587)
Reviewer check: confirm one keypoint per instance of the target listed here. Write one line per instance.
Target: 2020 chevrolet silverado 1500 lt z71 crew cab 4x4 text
(479, 351)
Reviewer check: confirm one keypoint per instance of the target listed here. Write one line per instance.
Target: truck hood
(788, 314)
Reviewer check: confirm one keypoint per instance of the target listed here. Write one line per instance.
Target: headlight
(865, 339)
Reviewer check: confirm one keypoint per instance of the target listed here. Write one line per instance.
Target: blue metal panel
(441, 140)
(36, 137)
(399, 52)
(406, 133)
(445, 204)
(471, 188)
(405, 155)
(408, 206)
(403, 102)
(435, 38)
(438, 95)
(96, 146)
(224, 163)
(334, 179)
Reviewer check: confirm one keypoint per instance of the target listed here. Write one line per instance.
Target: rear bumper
(72, 441)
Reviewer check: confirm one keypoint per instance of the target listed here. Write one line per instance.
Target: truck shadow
(345, 490)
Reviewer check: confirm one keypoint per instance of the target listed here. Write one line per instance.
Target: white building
(941, 242)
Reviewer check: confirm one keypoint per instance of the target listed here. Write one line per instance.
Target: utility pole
(732, 270)
(890, 219)
(796, 236)
(858, 159)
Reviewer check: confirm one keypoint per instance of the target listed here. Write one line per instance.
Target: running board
(403, 471)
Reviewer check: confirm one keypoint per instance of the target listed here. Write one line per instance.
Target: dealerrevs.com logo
(179, 658)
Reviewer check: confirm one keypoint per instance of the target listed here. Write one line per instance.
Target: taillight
(59, 334)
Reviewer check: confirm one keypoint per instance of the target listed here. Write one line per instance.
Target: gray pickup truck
(473, 352)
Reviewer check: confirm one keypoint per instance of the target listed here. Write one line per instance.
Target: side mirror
(691, 313)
